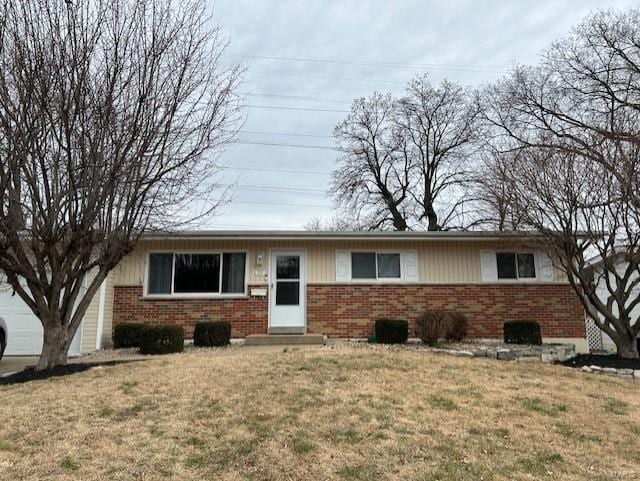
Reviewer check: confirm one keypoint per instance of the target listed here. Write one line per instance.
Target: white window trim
(380, 280)
(517, 278)
(195, 295)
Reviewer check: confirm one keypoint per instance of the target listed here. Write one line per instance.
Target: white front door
(287, 289)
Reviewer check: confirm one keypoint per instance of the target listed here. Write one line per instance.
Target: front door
(287, 289)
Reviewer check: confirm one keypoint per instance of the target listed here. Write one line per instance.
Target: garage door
(25, 330)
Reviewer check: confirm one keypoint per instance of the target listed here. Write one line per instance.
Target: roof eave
(326, 235)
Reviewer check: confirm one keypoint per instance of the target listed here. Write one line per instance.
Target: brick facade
(248, 315)
(348, 310)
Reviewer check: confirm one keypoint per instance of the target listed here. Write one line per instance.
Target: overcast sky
(307, 59)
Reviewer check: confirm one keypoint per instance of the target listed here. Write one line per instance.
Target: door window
(287, 280)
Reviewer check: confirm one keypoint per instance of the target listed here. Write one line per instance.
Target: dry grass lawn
(337, 414)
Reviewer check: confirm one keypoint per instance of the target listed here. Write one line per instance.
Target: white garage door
(25, 330)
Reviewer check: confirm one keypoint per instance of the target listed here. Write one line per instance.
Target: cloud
(357, 47)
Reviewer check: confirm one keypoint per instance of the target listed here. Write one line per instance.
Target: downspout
(101, 304)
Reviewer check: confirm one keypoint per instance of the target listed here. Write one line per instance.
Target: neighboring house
(597, 339)
(334, 283)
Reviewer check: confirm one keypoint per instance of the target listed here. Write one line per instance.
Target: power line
(308, 109)
(297, 97)
(280, 171)
(323, 77)
(435, 66)
(269, 188)
(287, 134)
(277, 144)
(286, 204)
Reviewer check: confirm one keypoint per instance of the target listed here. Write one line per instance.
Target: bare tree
(405, 160)
(583, 98)
(372, 180)
(574, 122)
(334, 224)
(111, 115)
(439, 132)
(493, 195)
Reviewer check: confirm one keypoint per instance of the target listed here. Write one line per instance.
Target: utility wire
(414, 66)
(297, 97)
(285, 204)
(280, 171)
(287, 134)
(277, 144)
(404, 101)
(280, 107)
(269, 188)
(323, 77)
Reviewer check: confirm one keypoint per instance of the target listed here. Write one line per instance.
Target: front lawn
(364, 413)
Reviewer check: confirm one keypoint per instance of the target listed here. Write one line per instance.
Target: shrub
(430, 325)
(391, 331)
(127, 335)
(214, 333)
(522, 332)
(455, 326)
(162, 340)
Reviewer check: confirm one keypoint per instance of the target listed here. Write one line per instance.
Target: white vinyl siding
(438, 262)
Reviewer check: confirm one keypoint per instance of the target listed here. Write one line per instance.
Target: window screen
(363, 265)
(506, 265)
(526, 266)
(513, 265)
(160, 267)
(389, 266)
(233, 267)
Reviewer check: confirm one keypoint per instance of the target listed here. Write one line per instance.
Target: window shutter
(488, 266)
(545, 267)
(410, 267)
(343, 266)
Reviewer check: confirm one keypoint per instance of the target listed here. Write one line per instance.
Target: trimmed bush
(522, 332)
(391, 331)
(433, 324)
(430, 326)
(455, 328)
(127, 335)
(162, 340)
(213, 333)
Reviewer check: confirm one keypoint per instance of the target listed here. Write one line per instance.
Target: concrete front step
(287, 330)
(284, 339)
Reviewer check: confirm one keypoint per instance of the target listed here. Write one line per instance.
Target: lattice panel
(594, 335)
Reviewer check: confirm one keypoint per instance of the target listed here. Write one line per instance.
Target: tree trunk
(55, 347)
(627, 347)
(432, 218)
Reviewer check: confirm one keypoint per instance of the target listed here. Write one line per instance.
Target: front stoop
(284, 339)
(287, 330)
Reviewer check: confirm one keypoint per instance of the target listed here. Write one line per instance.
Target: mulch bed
(30, 374)
(602, 360)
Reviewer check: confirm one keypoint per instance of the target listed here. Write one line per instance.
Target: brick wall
(348, 310)
(247, 315)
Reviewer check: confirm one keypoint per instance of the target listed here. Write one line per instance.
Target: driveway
(11, 364)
